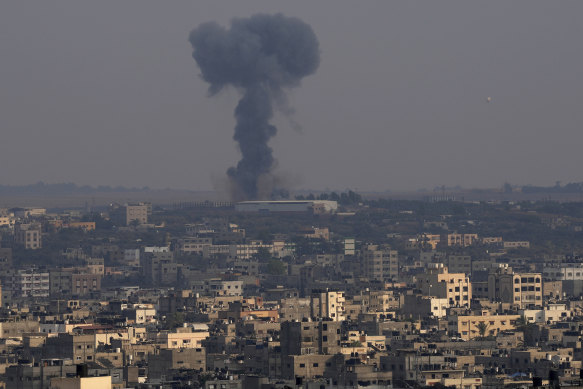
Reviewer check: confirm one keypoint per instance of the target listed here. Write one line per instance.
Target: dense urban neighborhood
(322, 291)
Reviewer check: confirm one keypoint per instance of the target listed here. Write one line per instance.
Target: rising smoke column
(261, 56)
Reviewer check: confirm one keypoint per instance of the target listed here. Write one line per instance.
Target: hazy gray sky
(106, 92)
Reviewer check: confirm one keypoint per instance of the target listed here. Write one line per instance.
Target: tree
(174, 321)
(482, 328)
(529, 330)
(263, 254)
(276, 267)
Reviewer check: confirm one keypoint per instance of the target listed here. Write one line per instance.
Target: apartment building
(520, 289)
(83, 284)
(459, 264)
(131, 257)
(328, 304)
(131, 213)
(165, 360)
(429, 240)
(26, 283)
(28, 235)
(551, 313)
(310, 337)
(218, 287)
(7, 221)
(250, 249)
(515, 245)
(193, 245)
(159, 268)
(572, 271)
(417, 307)
(74, 282)
(380, 263)
(468, 326)
(462, 240)
(438, 282)
(182, 338)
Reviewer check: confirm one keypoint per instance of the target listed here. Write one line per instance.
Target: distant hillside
(40, 188)
(572, 187)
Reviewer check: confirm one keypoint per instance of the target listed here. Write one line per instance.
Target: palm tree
(482, 328)
(521, 323)
(528, 330)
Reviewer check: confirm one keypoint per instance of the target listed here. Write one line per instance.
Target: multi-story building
(380, 263)
(165, 360)
(418, 307)
(159, 268)
(438, 282)
(377, 301)
(310, 337)
(317, 233)
(216, 250)
(74, 282)
(193, 245)
(40, 375)
(459, 264)
(26, 283)
(218, 287)
(349, 246)
(250, 249)
(28, 235)
(30, 212)
(492, 240)
(316, 206)
(131, 213)
(182, 300)
(470, 326)
(327, 304)
(83, 284)
(7, 221)
(520, 289)
(515, 245)
(182, 339)
(85, 226)
(463, 240)
(429, 240)
(407, 364)
(131, 257)
(572, 271)
(110, 251)
(551, 313)
(80, 348)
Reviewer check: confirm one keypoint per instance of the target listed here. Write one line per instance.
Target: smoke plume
(261, 56)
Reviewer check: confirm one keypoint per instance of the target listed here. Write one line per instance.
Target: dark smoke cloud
(261, 55)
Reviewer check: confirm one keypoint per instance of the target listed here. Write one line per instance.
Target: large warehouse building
(316, 206)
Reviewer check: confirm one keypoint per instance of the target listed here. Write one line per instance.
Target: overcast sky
(107, 93)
